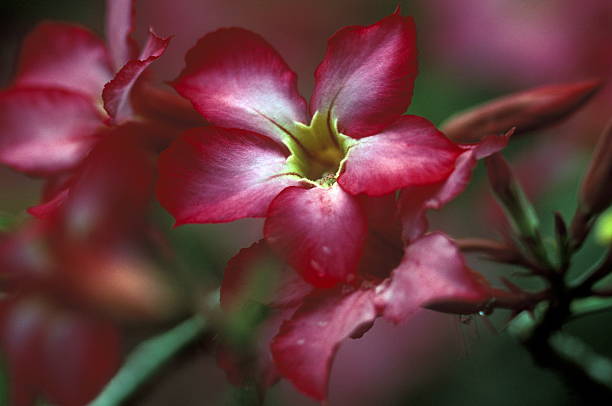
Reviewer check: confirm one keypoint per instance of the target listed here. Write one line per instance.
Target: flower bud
(528, 111)
(511, 196)
(596, 191)
(519, 210)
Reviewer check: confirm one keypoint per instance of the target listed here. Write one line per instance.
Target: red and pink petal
(415, 201)
(235, 79)
(409, 152)
(46, 131)
(64, 56)
(212, 175)
(74, 377)
(305, 346)
(120, 16)
(257, 274)
(116, 94)
(432, 274)
(367, 75)
(320, 231)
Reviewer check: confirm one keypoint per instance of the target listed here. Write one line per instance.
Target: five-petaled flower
(326, 181)
(269, 157)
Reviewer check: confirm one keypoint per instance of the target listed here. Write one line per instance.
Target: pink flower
(69, 87)
(302, 167)
(400, 270)
(72, 274)
(58, 353)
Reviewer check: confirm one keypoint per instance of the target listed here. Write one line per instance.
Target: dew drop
(379, 288)
(482, 313)
(301, 341)
(316, 266)
(326, 250)
(322, 323)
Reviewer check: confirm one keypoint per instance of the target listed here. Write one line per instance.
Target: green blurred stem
(147, 359)
(587, 375)
(582, 286)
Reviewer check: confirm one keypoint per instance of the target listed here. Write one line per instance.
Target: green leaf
(590, 305)
(147, 359)
(4, 382)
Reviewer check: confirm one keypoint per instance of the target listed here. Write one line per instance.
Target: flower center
(318, 150)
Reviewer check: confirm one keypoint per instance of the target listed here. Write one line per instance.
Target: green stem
(583, 284)
(147, 359)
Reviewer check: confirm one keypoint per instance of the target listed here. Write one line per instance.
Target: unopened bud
(511, 196)
(527, 111)
(596, 191)
(494, 250)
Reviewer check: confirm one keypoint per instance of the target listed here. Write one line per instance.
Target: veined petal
(116, 94)
(432, 273)
(305, 346)
(65, 56)
(366, 78)
(409, 152)
(120, 16)
(235, 79)
(212, 175)
(320, 231)
(416, 200)
(45, 131)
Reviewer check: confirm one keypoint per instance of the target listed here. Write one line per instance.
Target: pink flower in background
(69, 87)
(60, 353)
(525, 42)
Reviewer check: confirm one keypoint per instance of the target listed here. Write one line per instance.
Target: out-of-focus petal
(116, 94)
(48, 208)
(409, 152)
(320, 231)
(120, 16)
(366, 78)
(383, 248)
(64, 56)
(432, 273)
(305, 346)
(416, 200)
(212, 175)
(257, 274)
(97, 204)
(21, 331)
(80, 355)
(45, 131)
(235, 79)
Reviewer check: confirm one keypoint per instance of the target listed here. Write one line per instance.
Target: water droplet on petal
(326, 249)
(379, 288)
(301, 341)
(316, 266)
(322, 323)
